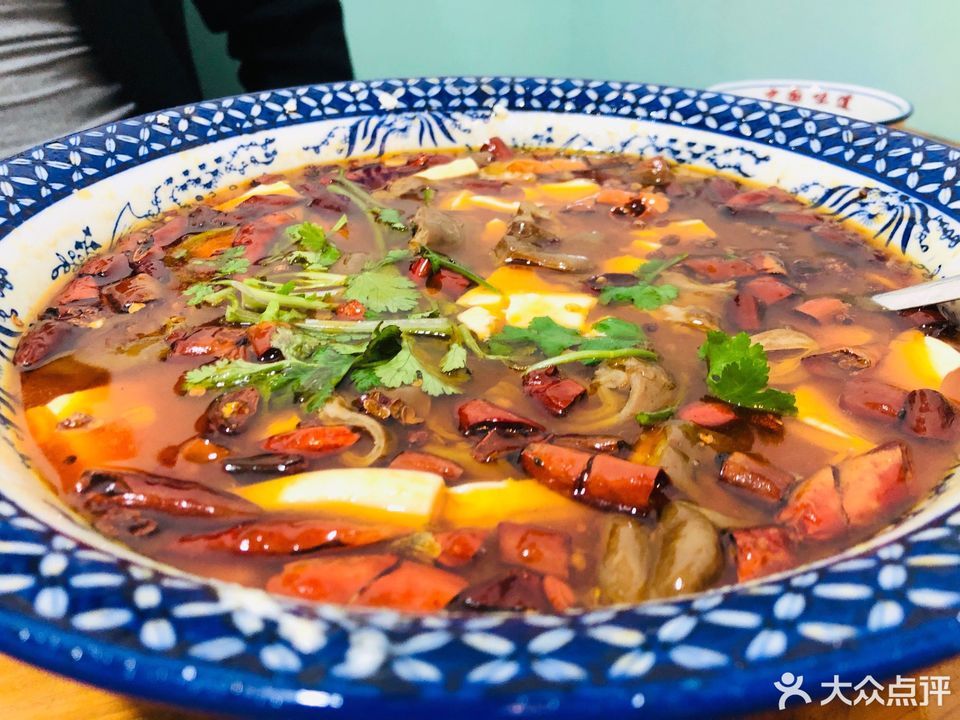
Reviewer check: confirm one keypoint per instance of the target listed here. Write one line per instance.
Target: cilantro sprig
(608, 339)
(738, 373)
(312, 378)
(314, 249)
(404, 368)
(645, 294)
(378, 215)
(221, 266)
(315, 362)
(381, 288)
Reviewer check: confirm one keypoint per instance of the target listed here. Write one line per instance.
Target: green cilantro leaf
(651, 269)
(454, 359)
(552, 339)
(615, 334)
(643, 295)
(406, 369)
(198, 292)
(383, 290)
(543, 332)
(225, 263)
(315, 251)
(364, 379)
(231, 261)
(315, 381)
(385, 343)
(392, 257)
(657, 416)
(738, 373)
(390, 217)
(312, 380)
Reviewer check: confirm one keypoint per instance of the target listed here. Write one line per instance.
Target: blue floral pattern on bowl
(75, 603)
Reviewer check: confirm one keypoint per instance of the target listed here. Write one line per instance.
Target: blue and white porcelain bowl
(74, 602)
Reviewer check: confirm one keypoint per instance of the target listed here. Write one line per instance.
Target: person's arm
(282, 42)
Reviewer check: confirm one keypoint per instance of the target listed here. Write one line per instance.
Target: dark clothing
(143, 44)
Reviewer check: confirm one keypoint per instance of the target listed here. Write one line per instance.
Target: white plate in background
(856, 101)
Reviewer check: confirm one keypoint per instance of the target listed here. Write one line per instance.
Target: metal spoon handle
(928, 293)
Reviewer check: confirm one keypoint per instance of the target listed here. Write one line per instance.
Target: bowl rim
(24, 634)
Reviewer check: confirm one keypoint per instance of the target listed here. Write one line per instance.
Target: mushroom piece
(436, 229)
(529, 242)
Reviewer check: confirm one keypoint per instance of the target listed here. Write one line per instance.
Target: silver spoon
(931, 292)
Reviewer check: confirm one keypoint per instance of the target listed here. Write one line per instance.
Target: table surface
(51, 697)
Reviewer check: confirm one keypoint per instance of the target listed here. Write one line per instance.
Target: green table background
(908, 47)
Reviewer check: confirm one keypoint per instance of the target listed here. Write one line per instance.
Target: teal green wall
(906, 47)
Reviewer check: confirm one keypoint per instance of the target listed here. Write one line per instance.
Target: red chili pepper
(317, 439)
(719, 269)
(596, 479)
(768, 289)
(257, 236)
(755, 475)
(824, 309)
(352, 310)
(535, 548)
(762, 551)
(558, 593)
(498, 148)
(708, 414)
(412, 460)
(458, 547)
(420, 269)
(282, 537)
(814, 509)
(333, 579)
(413, 587)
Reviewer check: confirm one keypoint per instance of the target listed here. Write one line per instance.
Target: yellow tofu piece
(482, 297)
(818, 411)
(458, 201)
(480, 321)
(83, 401)
(461, 167)
(942, 356)
(485, 504)
(645, 246)
(622, 264)
(686, 230)
(99, 443)
(516, 278)
(510, 279)
(277, 188)
(99, 404)
(466, 200)
(402, 497)
(488, 202)
(525, 295)
(915, 361)
(565, 192)
(567, 309)
(493, 231)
